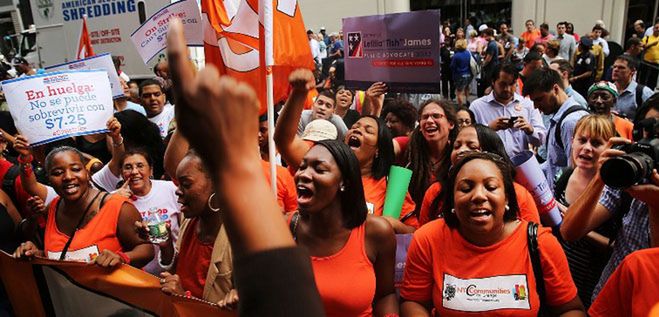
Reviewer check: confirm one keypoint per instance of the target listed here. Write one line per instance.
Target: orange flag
(85, 48)
(232, 42)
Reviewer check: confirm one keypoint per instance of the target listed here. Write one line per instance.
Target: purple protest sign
(400, 49)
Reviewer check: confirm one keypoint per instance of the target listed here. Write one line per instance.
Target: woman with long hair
(350, 252)
(368, 138)
(429, 150)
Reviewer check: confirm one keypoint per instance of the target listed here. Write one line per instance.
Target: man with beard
(601, 98)
(545, 88)
(517, 123)
(152, 98)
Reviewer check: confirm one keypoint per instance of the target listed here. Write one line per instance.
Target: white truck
(57, 24)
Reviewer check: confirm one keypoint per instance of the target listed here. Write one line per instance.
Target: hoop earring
(452, 210)
(210, 205)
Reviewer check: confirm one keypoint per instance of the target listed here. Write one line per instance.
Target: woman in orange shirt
(476, 259)
(352, 255)
(476, 138)
(368, 138)
(85, 224)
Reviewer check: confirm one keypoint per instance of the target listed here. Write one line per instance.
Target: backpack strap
(534, 254)
(557, 131)
(639, 96)
(9, 182)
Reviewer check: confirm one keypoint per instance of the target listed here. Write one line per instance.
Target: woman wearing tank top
(85, 224)
(352, 255)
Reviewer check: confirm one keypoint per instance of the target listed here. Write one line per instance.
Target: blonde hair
(473, 34)
(461, 44)
(596, 126)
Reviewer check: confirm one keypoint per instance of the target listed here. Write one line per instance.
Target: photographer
(635, 208)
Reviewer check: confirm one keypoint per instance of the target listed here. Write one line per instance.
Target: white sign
(486, 294)
(54, 106)
(151, 37)
(103, 62)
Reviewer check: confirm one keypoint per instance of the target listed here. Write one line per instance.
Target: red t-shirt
(624, 127)
(632, 289)
(527, 209)
(286, 193)
(21, 194)
(375, 192)
(462, 279)
(194, 258)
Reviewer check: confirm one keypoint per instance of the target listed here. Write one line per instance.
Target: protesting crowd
(180, 188)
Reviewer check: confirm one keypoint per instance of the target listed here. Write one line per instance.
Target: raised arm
(116, 141)
(374, 99)
(291, 147)
(28, 179)
(176, 149)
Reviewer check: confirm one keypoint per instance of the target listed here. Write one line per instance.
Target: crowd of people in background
(473, 231)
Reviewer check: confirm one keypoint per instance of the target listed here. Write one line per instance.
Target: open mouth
(431, 129)
(480, 215)
(71, 189)
(304, 194)
(585, 157)
(354, 142)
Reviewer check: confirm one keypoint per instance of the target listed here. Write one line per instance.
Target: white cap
(482, 28)
(320, 129)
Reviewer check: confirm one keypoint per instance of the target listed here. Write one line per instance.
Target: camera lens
(624, 171)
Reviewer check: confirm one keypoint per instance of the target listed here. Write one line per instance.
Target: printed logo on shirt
(370, 207)
(87, 254)
(485, 294)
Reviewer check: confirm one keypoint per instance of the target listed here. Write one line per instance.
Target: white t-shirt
(162, 197)
(163, 119)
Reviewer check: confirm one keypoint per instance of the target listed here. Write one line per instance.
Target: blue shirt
(557, 157)
(486, 109)
(133, 106)
(576, 96)
(460, 63)
(633, 235)
(626, 103)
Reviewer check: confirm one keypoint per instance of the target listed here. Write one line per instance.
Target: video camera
(642, 157)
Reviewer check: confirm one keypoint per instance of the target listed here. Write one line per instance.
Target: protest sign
(400, 49)
(102, 61)
(151, 37)
(54, 106)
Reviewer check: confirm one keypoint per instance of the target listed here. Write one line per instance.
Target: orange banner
(42, 287)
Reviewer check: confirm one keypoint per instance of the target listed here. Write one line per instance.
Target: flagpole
(266, 9)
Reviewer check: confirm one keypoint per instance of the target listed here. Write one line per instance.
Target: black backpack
(639, 96)
(9, 183)
(557, 132)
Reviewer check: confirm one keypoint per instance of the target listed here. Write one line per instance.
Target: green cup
(397, 184)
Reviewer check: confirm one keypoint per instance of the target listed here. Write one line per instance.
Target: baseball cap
(604, 85)
(318, 130)
(322, 28)
(482, 28)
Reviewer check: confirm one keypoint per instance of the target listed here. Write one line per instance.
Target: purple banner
(400, 49)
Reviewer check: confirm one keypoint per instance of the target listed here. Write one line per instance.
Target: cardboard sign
(400, 49)
(151, 37)
(102, 61)
(54, 106)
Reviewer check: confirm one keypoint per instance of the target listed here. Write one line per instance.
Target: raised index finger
(177, 57)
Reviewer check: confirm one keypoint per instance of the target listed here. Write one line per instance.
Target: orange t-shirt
(346, 279)
(624, 127)
(99, 234)
(527, 209)
(194, 259)
(286, 193)
(530, 37)
(375, 192)
(462, 279)
(632, 289)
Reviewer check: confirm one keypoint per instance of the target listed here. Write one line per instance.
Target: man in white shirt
(315, 46)
(597, 33)
(152, 98)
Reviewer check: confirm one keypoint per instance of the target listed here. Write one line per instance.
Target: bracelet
(22, 160)
(118, 144)
(124, 257)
